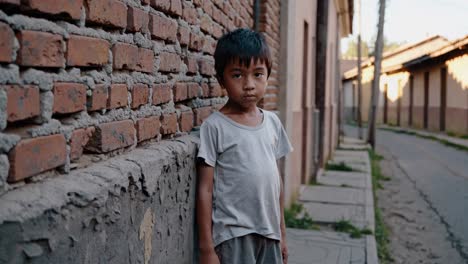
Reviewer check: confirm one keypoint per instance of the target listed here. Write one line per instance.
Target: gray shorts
(250, 249)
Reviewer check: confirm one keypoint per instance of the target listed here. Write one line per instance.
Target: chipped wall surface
(134, 208)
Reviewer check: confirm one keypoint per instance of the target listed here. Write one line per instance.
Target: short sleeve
(283, 145)
(208, 144)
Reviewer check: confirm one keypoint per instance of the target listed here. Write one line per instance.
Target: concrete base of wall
(134, 208)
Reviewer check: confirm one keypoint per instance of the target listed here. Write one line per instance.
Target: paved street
(428, 193)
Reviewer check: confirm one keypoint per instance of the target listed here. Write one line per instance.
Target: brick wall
(269, 24)
(98, 77)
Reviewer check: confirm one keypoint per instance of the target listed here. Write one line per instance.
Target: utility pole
(377, 69)
(359, 74)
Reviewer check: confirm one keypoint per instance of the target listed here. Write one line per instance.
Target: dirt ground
(417, 234)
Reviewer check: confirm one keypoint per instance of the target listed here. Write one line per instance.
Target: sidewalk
(339, 196)
(440, 136)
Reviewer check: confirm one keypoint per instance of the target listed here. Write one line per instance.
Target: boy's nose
(249, 84)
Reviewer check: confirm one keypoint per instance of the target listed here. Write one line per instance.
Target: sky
(413, 20)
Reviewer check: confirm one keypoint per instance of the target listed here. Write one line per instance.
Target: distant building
(424, 85)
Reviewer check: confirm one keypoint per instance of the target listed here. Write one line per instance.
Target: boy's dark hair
(241, 44)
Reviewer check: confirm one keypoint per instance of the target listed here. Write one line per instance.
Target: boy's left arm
(284, 247)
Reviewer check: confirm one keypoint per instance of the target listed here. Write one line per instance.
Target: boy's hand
(284, 251)
(209, 257)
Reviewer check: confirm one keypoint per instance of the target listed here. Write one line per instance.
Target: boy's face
(245, 85)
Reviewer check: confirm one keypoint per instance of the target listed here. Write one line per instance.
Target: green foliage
(338, 167)
(346, 227)
(295, 217)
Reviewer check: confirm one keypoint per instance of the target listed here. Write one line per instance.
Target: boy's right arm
(204, 211)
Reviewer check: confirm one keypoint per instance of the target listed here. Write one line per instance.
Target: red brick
(215, 90)
(217, 31)
(85, 51)
(219, 3)
(209, 46)
(169, 123)
(140, 95)
(186, 121)
(206, 25)
(22, 102)
(147, 128)
(118, 96)
(201, 114)
(7, 37)
(69, 98)
(68, 8)
(163, 28)
(112, 136)
(196, 42)
(161, 93)
(224, 92)
(176, 7)
(137, 19)
(206, 67)
(218, 106)
(169, 62)
(228, 10)
(180, 92)
(183, 35)
(145, 2)
(162, 5)
(79, 139)
(40, 49)
(217, 15)
(198, 3)
(32, 156)
(98, 99)
(208, 7)
(192, 65)
(190, 14)
(145, 61)
(193, 90)
(125, 56)
(205, 89)
(107, 12)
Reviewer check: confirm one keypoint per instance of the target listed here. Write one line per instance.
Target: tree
(379, 43)
(352, 50)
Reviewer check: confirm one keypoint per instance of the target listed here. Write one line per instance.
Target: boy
(239, 202)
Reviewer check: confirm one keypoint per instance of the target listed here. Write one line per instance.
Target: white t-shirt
(246, 186)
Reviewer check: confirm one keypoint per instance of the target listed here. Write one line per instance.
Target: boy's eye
(259, 74)
(236, 75)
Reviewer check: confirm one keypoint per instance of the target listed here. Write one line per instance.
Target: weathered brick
(183, 35)
(168, 123)
(162, 5)
(7, 37)
(137, 20)
(215, 90)
(145, 2)
(163, 28)
(125, 56)
(66, 8)
(206, 89)
(198, 3)
(196, 41)
(22, 102)
(218, 106)
(224, 92)
(161, 93)
(107, 12)
(32, 156)
(186, 121)
(98, 99)
(40, 49)
(209, 46)
(180, 92)
(217, 15)
(69, 98)
(190, 14)
(176, 7)
(169, 62)
(140, 95)
(201, 114)
(78, 140)
(145, 62)
(118, 96)
(112, 136)
(228, 10)
(85, 51)
(206, 67)
(193, 90)
(192, 64)
(206, 25)
(217, 31)
(208, 7)
(147, 128)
